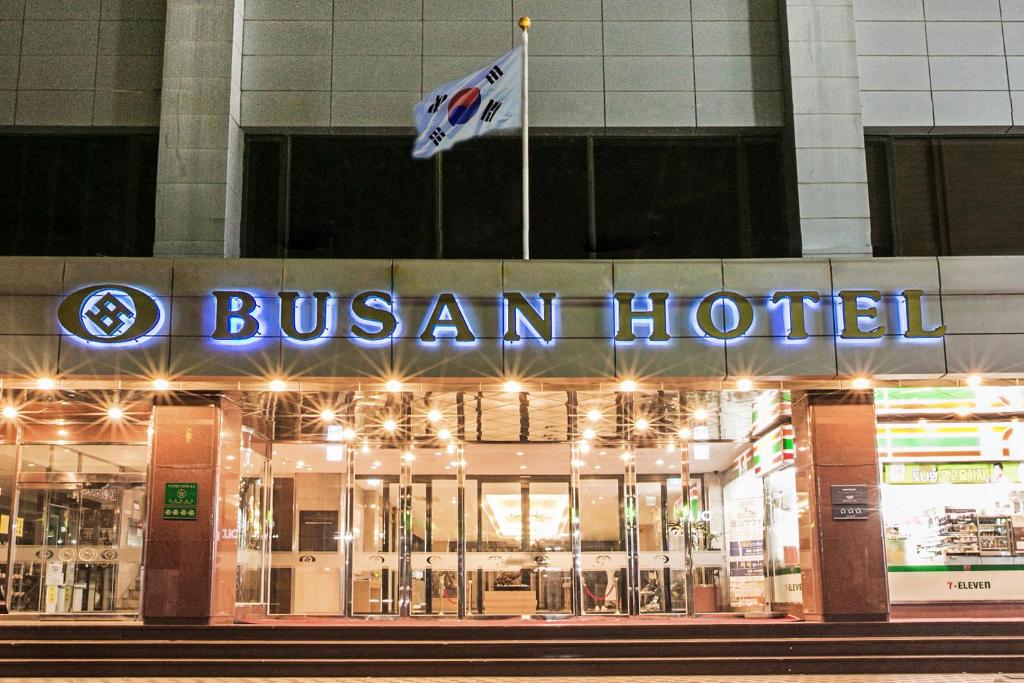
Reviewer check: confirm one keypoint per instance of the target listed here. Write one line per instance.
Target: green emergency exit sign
(180, 500)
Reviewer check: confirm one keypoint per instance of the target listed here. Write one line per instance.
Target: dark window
(360, 197)
(590, 197)
(318, 531)
(77, 195)
(946, 196)
(284, 510)
(482, 191)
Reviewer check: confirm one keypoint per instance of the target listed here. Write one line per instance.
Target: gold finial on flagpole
(524, 23)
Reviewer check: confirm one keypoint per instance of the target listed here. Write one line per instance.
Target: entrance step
(512, 649)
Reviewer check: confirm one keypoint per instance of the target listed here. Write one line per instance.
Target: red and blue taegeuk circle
(463, 106)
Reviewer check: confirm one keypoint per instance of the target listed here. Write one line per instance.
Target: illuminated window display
(952, 493)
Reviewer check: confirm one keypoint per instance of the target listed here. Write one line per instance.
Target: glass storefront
(392, 511)
(79, 507)
(952, 491)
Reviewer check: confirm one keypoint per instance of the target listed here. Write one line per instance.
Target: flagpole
(524, 24)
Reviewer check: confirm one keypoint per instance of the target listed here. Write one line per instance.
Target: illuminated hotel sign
(119, 314)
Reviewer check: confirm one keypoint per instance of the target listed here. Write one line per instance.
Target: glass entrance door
(80, 551)
(662, 512)
(374, 529)
(518, 542)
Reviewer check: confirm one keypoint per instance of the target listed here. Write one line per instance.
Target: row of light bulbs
(10, 412)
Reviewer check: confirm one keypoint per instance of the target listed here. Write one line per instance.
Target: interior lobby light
(45, 383)
(700, 414)
(9, 413)
(408, 456)
(161, 384)
(513, 387)
(115, 413)
(594, 415)
(974, 381)
(684, 433)
(393, 386)
(963, 411)
(450, 449)
(584, 447)
(444, 434)
(642, 424)
(277, 385)
(347, 434)
(434, 415)
(744, 384)
(390, 425)
(860, 383)
(327, 415)
(628, 385)
(589, 434)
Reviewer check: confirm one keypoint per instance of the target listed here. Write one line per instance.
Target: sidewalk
(859, 678)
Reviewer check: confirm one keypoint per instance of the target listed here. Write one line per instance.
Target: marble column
(199, 175)
(828, 132)
(190, 564)
(842, 562)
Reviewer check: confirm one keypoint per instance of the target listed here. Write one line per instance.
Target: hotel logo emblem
(109, 314)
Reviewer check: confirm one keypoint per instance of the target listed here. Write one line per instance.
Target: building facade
(256, 362)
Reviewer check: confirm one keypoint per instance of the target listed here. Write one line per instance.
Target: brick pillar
(190, 565)
(842, 562)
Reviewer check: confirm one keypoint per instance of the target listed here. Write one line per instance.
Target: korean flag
(487, 100)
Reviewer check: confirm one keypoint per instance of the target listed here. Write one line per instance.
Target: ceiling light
(584, 447)
(860, 383)
(671, 447)
(161, 384)
(642, 424)
(408, 456)
(594, 415)
(327, 415)
(522, 467)
(626, 456)
(450, 449)
(9, 412)
(444, 434)
(700, 414)
(434, 415)
(115, 413)
(45, 383)
(277, 385)
(628, 385)
(659, 461)
(390, 425)
(512, 387)
(744, 384)
(347, 434)
(974, 381)
(684, 433)
(589, 434)
(393, 385)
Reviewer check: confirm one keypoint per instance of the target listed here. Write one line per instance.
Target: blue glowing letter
(235, 324)
(447, 313)
(627, 316)
(517, 308)
(288, 323)
(364, 312)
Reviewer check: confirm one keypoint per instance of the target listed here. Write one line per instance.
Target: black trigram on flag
(494, 74)
(437, 103)
(490, 110)
(436, 136)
